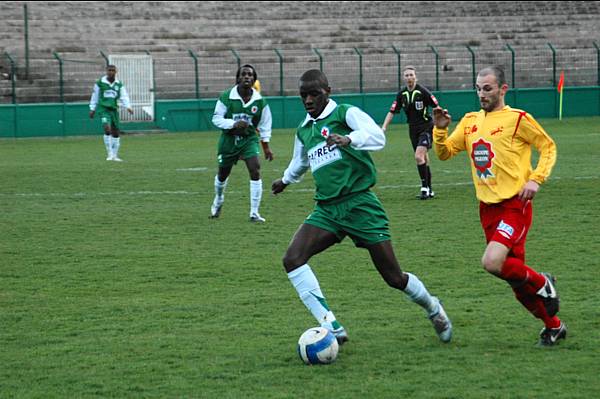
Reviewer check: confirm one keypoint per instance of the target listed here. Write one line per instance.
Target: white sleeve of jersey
(218, 118)
(298, 165)
(366, 134)
(124, 98)
(265, 124)
(94, 99)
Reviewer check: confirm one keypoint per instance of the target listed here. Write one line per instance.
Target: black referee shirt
(415, 104)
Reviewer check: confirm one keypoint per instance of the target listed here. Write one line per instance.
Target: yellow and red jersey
(499, 146)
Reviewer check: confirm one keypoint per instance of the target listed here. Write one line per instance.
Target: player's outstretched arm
(446, 146)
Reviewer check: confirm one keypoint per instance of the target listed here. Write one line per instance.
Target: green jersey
(108, 95)
(231, 108)
(337, 171)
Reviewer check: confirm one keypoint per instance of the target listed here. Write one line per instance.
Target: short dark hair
(495, 70)
(239, 72)
(315, 75)
(111, 66)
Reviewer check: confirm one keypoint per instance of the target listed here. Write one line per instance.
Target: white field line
(210, 191)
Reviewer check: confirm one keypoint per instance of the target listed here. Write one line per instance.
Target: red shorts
(507, 223)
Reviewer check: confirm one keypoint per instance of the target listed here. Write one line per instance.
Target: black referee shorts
(421, 135)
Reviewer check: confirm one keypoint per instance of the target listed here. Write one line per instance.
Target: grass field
(114, 283)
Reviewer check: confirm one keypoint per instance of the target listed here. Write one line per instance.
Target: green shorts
(109, 116)
(232, 148)
(361, 217)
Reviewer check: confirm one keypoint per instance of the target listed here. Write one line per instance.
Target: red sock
(535, 305)
(516, 272)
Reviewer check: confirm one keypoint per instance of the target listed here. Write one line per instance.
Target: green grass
(114, 283)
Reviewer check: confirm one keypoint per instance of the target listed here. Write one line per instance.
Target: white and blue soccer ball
(318, 345)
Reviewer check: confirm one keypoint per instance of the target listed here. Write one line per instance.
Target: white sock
(116, 143)
(255, 195)
(107, 144)
(416, 292)
(219, 191)
(306, 284)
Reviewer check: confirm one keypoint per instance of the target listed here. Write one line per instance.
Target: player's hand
(337, 139)
(92, 113)
(278, 186)
(130, 111)
(529, 191)
(441, 118)
(241, 124)
(239, 128)
(268, 154)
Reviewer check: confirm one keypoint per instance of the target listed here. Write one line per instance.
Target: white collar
(105, 80)
(234, 95)
(329, 108)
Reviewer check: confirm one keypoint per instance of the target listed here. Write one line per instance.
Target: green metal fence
(12, 75)
(74, 75)
(198, 73)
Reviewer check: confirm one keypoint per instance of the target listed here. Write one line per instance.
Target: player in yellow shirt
(498, 140)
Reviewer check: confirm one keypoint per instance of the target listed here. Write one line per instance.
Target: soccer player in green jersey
(242, 114)
(108, 92)
(333, 141)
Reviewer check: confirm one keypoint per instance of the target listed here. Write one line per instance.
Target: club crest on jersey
(482, 156)
(254, 109)
(505, 229)
(325, 131)
(419, 105)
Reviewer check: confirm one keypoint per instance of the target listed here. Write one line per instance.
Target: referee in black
(416, 99)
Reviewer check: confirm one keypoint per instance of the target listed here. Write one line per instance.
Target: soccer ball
(317, 345)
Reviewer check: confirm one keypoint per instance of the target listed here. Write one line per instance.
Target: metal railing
(205, 74)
